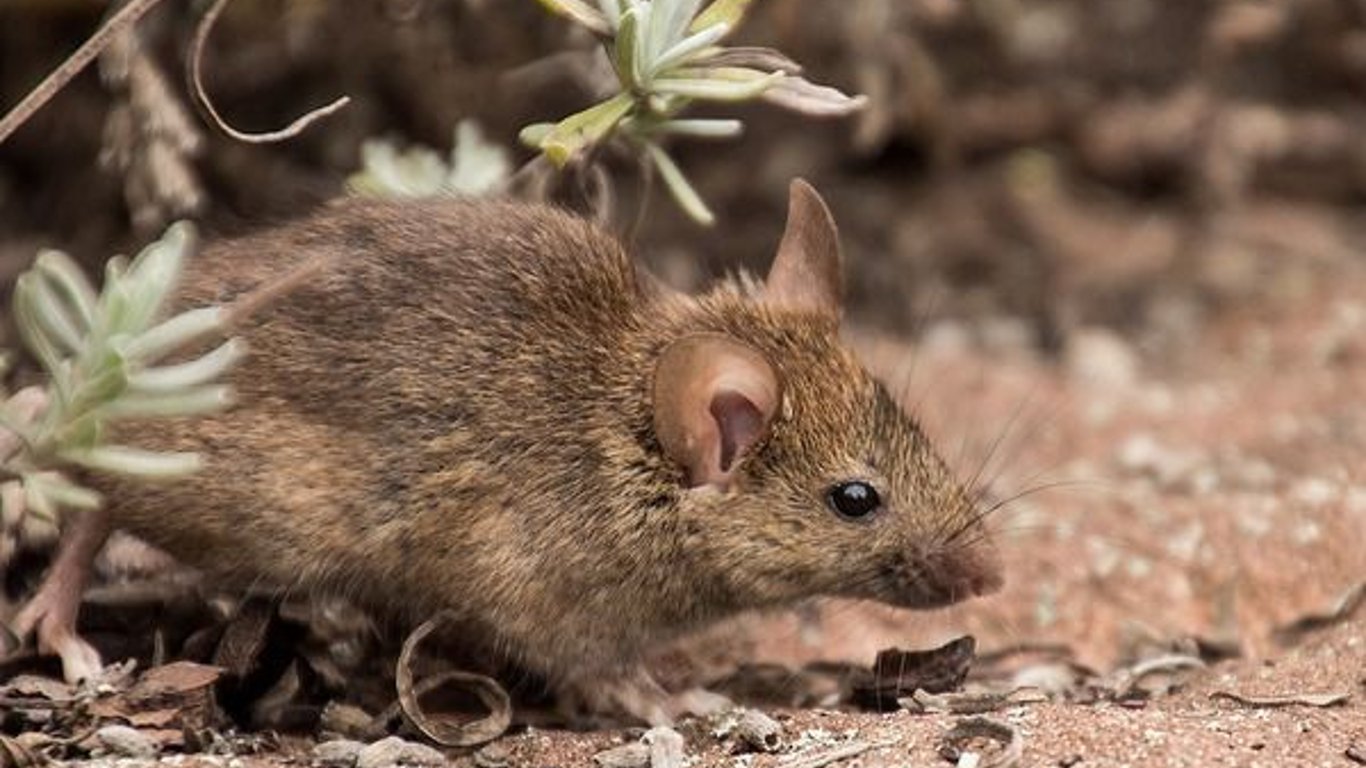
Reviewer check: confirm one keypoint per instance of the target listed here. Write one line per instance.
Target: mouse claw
(51, 619)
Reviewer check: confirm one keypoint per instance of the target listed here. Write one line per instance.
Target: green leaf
(106, 377)
(669, 23)
(114, 313)
(534, 135)
(192, 401)
(478, 167)
(71, 283)
(715, 87)
(153, 275)
(580, 129)
(82, 432)
(580, 12)
(179, 331)
(36, 498)
(700, 128)
(687, 48)
(729, 12)
(626, 53)
(53, 315)
(682, 191)
(201, 370)
(56, 489)
(388, 171)
(612, 10)
(30, 328)
(120, 459)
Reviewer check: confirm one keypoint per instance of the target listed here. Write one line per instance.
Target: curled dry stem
(440, 730)
(201, 36)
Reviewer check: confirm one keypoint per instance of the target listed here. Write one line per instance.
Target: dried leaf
(897, 673)
(1331, 699)
(752, 57)
(801, 95)
(173, 697)
(44, 687)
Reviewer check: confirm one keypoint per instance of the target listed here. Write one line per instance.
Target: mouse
(490, 408)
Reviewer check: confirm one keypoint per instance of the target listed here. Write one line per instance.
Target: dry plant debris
(982, 743)
(823, 757)
(971, 702)
(1332, 699)
(897, 673)
(440, 730)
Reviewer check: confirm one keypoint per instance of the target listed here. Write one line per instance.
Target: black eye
(853, 500)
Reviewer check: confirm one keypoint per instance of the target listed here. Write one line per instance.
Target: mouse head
(804, 477)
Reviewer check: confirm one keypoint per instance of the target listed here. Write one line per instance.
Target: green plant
(476, 167)
(666, 57)
(104, 356)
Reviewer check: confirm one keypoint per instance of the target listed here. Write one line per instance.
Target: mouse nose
(956, 574)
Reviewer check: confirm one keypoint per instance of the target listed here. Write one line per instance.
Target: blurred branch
(57, 80)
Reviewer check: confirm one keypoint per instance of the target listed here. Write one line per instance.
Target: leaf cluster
(666, 56)
(105, 355)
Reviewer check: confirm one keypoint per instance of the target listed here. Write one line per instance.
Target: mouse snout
(943, 577)
(973, 571)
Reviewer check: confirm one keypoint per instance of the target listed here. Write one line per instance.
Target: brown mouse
(483, 407)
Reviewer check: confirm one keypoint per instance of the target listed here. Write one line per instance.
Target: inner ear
(739, 423)
(714, 400)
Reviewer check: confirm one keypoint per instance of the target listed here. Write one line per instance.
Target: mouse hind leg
(50, 615)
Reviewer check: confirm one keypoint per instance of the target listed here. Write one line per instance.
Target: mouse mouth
(939, 579)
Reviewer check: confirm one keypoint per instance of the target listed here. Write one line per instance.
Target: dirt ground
(1110, 253)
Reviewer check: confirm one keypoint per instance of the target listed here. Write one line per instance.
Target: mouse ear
(808, 272)
(714, 399)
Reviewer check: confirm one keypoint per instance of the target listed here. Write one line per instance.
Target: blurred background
(1108, 250)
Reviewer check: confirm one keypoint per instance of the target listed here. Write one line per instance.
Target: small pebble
(338, 753)
(666, 747)
(759, 732)
(394, 751)
(493, 755)
(126, 742)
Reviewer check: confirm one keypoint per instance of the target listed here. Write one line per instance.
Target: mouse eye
(853, 500)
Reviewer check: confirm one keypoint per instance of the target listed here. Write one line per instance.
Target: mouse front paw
(639, 696)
